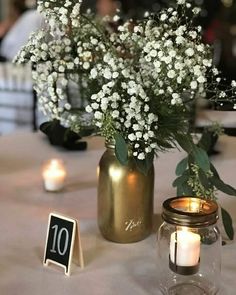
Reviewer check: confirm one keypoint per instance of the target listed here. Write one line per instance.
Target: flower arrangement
(138, 81)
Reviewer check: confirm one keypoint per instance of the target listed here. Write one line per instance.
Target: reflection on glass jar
(188, 247)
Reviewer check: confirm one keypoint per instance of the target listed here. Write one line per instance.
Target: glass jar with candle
(189, 247)
(54, 174)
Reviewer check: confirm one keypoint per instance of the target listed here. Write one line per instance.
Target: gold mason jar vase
(125, 199)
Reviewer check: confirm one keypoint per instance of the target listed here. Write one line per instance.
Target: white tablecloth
(110, 268)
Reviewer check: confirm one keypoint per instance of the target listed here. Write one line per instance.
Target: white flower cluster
(63, 12)
(138, 79)
(134, 116)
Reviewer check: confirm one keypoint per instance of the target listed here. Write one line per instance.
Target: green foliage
(108, 130)
(214, 171)
(228, 224)
(181, 167)
(179, 181)
(197, 176)
(207, 140)
(205, 181)
(185, 141)
(225, 188)
(185, 190)
(170, 121)
(201, 158)
(121, 149)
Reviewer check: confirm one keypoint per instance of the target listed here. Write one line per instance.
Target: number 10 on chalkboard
(63, 242)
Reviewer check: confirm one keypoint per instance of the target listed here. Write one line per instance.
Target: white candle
(54, 175)
(187, 250)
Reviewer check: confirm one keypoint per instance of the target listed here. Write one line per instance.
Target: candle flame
(194, 206)
(54, 168)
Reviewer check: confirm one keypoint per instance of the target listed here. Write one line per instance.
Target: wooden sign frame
(75, 250)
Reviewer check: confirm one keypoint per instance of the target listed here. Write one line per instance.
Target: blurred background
(18, 18)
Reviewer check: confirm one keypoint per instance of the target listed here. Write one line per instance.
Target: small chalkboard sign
(63, 242)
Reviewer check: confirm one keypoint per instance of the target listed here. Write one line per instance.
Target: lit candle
(195, 206)
(184, 248)
(54, 175)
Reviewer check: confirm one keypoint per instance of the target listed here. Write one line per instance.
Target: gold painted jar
(125, 199)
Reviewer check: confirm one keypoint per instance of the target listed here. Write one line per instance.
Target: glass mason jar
(125, 199)
(189, 247)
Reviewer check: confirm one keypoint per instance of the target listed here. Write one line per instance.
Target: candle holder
(54, 174)
(188, 247)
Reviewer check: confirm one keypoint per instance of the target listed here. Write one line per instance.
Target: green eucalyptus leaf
(220, 185)
(228, 223)
(181, 167)
(214, 171)
(190, 159)
(201, 158)
(184, 142)
(205, 140)
(180, 180)
(187, 190)
(208, 140)
(184, 190)
(121, 149)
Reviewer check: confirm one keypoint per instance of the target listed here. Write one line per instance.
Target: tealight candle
(54, 174)
(184, 248)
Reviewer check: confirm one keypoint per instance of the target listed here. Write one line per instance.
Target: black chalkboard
(60, 241)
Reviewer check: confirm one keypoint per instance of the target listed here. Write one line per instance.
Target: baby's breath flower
(133, 80)
(233, 83)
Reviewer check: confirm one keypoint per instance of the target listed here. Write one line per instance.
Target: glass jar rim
(190, 211)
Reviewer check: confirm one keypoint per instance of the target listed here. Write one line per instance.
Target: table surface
(110, 268)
